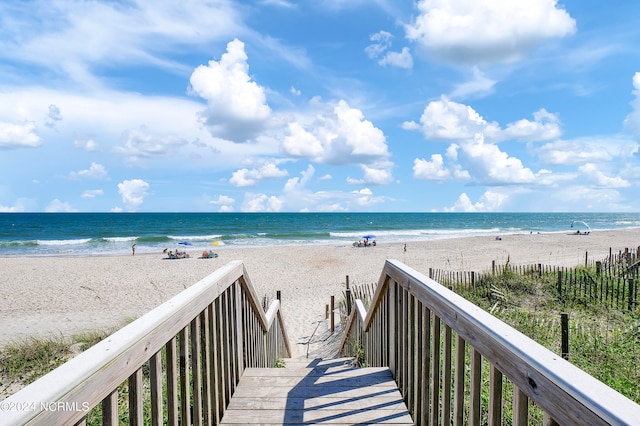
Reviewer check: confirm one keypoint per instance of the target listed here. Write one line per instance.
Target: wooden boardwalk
(317, 392)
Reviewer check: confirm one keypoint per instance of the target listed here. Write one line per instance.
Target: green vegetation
(359, 355)
(603, 341)
(26, 360)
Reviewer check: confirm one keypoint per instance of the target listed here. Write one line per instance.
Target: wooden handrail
(210, 314)
(409, 326)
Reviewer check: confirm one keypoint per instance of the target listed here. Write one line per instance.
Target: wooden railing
(456, 364)
(178, 364)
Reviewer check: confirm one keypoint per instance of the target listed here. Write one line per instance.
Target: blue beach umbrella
(368, 236)
(185, 243)
(581, 223)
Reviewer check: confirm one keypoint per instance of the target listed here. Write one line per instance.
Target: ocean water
(82, 234)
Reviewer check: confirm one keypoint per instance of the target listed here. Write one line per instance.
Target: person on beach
(133, 250)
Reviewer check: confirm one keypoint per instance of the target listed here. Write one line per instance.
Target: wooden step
(319, 392)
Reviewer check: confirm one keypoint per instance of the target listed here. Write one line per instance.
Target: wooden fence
(194, 346)
(436, 343)
(612, 282)
(587, 287)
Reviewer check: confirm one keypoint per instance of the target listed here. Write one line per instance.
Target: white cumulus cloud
(448, 120)
(95, 171)
(133, 192)
(339, 135)
(237, 107)
(445, 119)
(486, 31)
(249, 177)
(546, 126)
(489, 201)
(18, 135)
(431, 170)
(224, 202)
(488, 165)
(300, 143)
(261, 203)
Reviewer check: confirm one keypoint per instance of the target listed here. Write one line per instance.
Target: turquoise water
(72, 234)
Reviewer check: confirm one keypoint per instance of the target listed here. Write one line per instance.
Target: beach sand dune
(65, 295)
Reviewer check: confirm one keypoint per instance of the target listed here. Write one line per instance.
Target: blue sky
(319, 105)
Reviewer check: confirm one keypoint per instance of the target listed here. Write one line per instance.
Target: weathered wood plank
(135, 398)
(366, 416)
(183, 368)
(458, 409)
(446, 378)
(172, 383)
(313, 372)
(110, 409)
(370, 380)
(155, 381)
(388, 402)
(311, 391)
(495, 397)
(326, 392)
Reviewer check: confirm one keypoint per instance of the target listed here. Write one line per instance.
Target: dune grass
(24, 361)
(602, 341)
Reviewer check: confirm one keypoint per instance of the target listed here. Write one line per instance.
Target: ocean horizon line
(63, 234)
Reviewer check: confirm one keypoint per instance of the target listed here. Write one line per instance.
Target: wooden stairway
(317, 392)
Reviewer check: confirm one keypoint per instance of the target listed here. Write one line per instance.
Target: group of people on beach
(183, 254)
(364, 243)
(209, 254)
(177, 255)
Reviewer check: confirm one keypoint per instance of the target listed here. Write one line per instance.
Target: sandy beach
(65, 295)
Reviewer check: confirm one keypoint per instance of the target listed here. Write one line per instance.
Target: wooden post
(326, 311)
(598, 268)
(539, 269)
(348, 297)
(586, 258)
(493, 267)
(391, 338)
(333, 321)
(631, 294)
(278, 295)
(431, 273)
(564, 323)
(560, 284)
